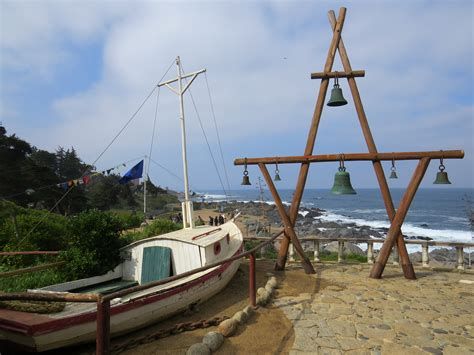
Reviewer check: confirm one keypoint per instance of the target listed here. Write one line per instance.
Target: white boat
(188, 249)
(144, 261)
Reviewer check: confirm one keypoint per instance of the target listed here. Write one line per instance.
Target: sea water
(442, 214)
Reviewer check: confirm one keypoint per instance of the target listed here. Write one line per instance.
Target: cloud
(417, 57)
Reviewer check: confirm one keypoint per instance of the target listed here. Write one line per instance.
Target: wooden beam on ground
(338, 74)
(395, 227)
(436, 154)
(289, 231)
(387, 197)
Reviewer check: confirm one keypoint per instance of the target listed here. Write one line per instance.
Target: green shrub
(160, 226)
(130, 219)
(95, 243)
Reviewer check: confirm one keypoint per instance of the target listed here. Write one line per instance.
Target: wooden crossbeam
(439, 154)
(338, 74)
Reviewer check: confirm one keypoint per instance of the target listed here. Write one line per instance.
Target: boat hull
(124, 317)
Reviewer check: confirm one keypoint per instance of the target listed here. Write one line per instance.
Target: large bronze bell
(342, 183)
(277, 177)
(246, 180)
(393, 175)
(336, 95)
(441, 175)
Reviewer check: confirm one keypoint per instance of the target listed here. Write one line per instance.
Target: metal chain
(163, 333)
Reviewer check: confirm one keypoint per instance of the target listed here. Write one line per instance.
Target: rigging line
(217, 132)
(100, 155)
(205, 137)
(166, 169)
(153, 132)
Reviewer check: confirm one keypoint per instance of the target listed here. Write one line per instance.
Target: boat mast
(187, 205)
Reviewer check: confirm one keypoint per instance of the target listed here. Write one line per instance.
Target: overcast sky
(73, 73)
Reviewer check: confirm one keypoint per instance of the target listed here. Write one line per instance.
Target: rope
(217, 132)
(100, 155)
(207, 141)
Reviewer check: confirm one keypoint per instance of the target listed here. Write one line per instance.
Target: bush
(26, 229)
(95, 244)
(157, 227)
(130, 219)
(37, 279)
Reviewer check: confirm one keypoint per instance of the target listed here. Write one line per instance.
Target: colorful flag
(134, 173)
(86, 179)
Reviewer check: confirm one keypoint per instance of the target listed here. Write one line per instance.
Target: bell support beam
(289, 231)
(397, 221)
(338, 74)
(318, 109)
(407, 267)
(437, 154)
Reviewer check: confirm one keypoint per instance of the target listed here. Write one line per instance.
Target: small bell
(441, 175)
(342, 182)
(393, 174)
(246, 180)
(277, 174)
(336, 95)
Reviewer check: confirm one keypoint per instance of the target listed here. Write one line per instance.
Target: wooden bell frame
(394, 234)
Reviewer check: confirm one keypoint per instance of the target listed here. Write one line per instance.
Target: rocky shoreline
(259, 216)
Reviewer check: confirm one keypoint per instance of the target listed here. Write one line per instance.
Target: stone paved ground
(359, 315)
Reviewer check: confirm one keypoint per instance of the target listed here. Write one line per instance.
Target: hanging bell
(393, 175)
(442, 176)
(336, 95)
(342, 183)
(246, 180)
(277, 173)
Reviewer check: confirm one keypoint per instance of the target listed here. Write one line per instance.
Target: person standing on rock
(211, 221)
(216, 221)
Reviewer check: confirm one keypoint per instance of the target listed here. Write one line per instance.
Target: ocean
(442, 214)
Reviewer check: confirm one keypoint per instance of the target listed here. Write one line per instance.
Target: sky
(73, 73)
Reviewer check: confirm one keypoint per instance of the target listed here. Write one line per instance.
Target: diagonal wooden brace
(289, 231)
(318, 109)
(395, 227)
(387, 198)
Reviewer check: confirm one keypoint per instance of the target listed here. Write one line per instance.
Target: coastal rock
(213, 340)
(227, 327)
(349, 248)
(198, 349)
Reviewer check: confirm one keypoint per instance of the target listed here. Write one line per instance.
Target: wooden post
(289, 231)
(397, 221)
(103, 327)
(303, 174)
(291, 252)
(252, 282)
(406, 264)
(370, 252)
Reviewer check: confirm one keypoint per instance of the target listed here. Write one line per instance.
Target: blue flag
(134, 173)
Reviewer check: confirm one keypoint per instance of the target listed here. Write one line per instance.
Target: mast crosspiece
(394, 235)
(187, 205)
